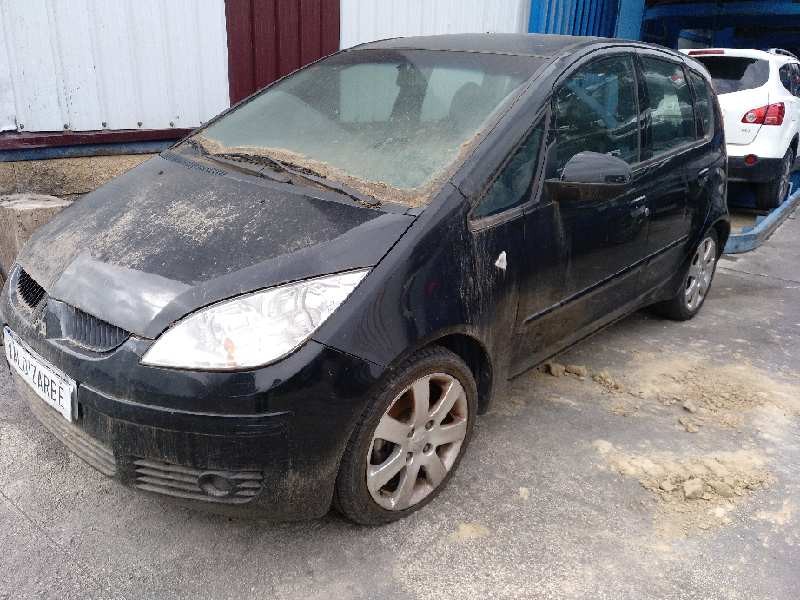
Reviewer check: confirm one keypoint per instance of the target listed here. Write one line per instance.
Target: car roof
(537, 44)
(740, 52)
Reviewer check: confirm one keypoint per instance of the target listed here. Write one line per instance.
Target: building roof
(530, 44)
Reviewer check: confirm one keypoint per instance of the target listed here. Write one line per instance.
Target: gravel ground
(574, 486)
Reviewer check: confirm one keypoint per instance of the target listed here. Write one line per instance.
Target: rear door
(741, 85)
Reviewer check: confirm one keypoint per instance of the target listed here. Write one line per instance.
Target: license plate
(50, 384)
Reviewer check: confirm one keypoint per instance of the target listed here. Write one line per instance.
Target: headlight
(255, 329)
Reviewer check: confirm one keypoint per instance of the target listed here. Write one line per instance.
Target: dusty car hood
(173, 235)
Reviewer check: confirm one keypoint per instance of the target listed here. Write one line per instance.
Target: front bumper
(764, 170)
(265, 442)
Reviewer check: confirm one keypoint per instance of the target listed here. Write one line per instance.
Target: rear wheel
(772, 194)
(696, 282)
(410, 439)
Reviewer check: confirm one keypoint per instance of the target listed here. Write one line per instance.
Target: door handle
(644, 210)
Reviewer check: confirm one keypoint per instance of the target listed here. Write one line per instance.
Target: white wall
(122, 62)
(369, 20)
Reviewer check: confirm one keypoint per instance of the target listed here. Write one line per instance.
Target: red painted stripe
(288, 20)
(310, 30)
(241, 66)
(48, 139)
(330, 27)
(263, 42)
(270, 38)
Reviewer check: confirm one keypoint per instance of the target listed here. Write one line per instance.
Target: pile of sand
(694, 492)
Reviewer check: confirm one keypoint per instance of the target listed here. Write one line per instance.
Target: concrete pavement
(571, 488)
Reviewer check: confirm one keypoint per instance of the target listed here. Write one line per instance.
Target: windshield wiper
(286, 168)
(323, 181)
(278, 174)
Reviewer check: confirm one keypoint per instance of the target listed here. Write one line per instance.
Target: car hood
(174, 235)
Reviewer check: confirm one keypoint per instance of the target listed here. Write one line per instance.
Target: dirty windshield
(389, 123)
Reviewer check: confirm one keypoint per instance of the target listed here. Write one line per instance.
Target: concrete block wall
(64, 177)
(20, 216)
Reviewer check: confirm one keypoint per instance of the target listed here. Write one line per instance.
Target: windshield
(735, 73)
(389, 123)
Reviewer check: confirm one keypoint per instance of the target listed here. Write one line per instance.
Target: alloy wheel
(701, 271)
(417, 441)
(786, 172)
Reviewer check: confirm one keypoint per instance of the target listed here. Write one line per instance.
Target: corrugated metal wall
(368, 20)
(574, 17)
(270, 38)
(123, 64)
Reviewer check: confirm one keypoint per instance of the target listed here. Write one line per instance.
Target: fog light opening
(216, 485)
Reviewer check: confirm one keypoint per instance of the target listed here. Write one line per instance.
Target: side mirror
(591, 176)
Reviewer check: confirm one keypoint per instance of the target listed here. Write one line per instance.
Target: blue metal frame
(575, 17)
(751, 238)
(744, 8)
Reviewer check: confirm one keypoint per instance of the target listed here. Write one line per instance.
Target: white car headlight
(255, 329)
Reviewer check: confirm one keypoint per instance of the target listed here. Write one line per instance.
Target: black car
(309, 300)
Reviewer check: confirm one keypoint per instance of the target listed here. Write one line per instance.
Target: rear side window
(704, 105)
(595, 109)
(512, 187)
(735, 73)
(669, 103)
(795, 68)
(790, 78)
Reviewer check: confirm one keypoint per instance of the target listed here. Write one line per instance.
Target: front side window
(794, 73)
(512, 186)
(669, 104)
(704, 104)
(595, 110)
(391, 123)
(785, 73)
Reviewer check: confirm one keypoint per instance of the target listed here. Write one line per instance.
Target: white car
(758, 92)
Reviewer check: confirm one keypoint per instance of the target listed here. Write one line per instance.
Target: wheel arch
(477, 358)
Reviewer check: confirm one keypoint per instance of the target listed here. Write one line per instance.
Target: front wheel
(772, 194)
(410, 439)
(696, 282)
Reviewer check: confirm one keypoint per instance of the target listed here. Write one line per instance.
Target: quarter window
(791, 78)
(595, 110)
(703, 104)
(796, 77)
(785, 73)
(671, 117)
(512, 187)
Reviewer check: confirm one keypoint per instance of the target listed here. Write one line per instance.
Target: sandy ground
(668, 468)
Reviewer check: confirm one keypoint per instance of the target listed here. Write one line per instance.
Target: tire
(696, 281)
(417, 447)
(772, 194)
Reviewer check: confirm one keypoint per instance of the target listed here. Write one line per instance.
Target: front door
(668, 142)
(592, 249)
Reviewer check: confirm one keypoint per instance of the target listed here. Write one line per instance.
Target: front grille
(29, 290)
(197, 484)
(86, 447)
(89, 332)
